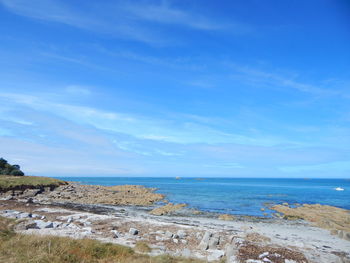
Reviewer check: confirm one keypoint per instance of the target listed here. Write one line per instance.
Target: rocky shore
(122, 215)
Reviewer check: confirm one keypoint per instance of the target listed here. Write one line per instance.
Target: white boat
(339, 189)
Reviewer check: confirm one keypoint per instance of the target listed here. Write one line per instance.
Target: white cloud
(120, 19)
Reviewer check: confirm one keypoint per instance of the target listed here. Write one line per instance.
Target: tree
(16, 173)
(8, 169)
(3, 162)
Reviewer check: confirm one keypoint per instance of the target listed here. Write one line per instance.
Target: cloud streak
(131, 20)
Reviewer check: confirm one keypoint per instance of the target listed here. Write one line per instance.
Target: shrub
(8, 169)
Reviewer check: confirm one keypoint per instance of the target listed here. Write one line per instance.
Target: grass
(20, 248)
(142, 247)
(8, 183)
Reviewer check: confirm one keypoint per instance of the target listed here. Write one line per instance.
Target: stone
(115, 233)
(347, 236)
(204, 244)
(133, 231)
(230, 251)
(264, 254)
(25, 225)
(175, 240)
(159, 238)
(184, 241)
(215, 255)
(70, 220)
(56, 224)
(341, 234)
(24, 215)
(168, 234)
(11, 213)
(30, 192)
(213, 242)
(40, 224)
(181, 233)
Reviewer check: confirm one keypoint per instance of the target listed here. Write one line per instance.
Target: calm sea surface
(237, 196)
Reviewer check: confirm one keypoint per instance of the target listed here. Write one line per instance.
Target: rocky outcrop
(166, 209)
(226, 217)
(95, 194)
(335, 219)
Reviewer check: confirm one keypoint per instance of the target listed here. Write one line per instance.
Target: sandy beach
(76, 211)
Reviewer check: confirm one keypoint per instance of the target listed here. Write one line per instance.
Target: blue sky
(166, 88)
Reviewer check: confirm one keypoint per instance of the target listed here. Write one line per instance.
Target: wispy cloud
(163, 12)
(266, 78)
(139, 126)
(121, 19)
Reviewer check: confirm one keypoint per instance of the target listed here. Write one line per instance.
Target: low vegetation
(8, 183)
(19, 248)
(8, 169)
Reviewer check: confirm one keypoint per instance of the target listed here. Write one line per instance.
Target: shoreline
(179, 233)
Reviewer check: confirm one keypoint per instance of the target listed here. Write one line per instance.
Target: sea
(237, 196)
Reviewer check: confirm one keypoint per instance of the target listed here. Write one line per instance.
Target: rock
(341, 234)
(226, 217)
(263, 254)
(30, 192)
(11, 213)
(166, 209)
(158, 238)
(347, 236)
(213, 242)
(181, 233)
(289, 261)
(56, 224)
(230, 251)
(115, 233)
(70, 220)
(184, 241)
(168, 234)
(160, 232)
(40, 224)
(24, 215)
(133, 231)
(25, 225)
(334, 232)
(175, 240)
(198, 235)
(204, 244)
(215, 255)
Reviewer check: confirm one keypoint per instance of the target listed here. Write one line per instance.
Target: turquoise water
(235, 195)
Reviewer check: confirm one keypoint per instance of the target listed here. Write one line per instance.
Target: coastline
(179, 233)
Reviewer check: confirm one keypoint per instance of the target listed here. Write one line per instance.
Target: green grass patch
(8, 183)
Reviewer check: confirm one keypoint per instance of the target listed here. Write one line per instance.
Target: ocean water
(237, 196)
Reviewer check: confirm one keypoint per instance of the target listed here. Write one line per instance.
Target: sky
(244, 88)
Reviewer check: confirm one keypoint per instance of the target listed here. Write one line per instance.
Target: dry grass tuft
(142, 247)
(20, 248)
